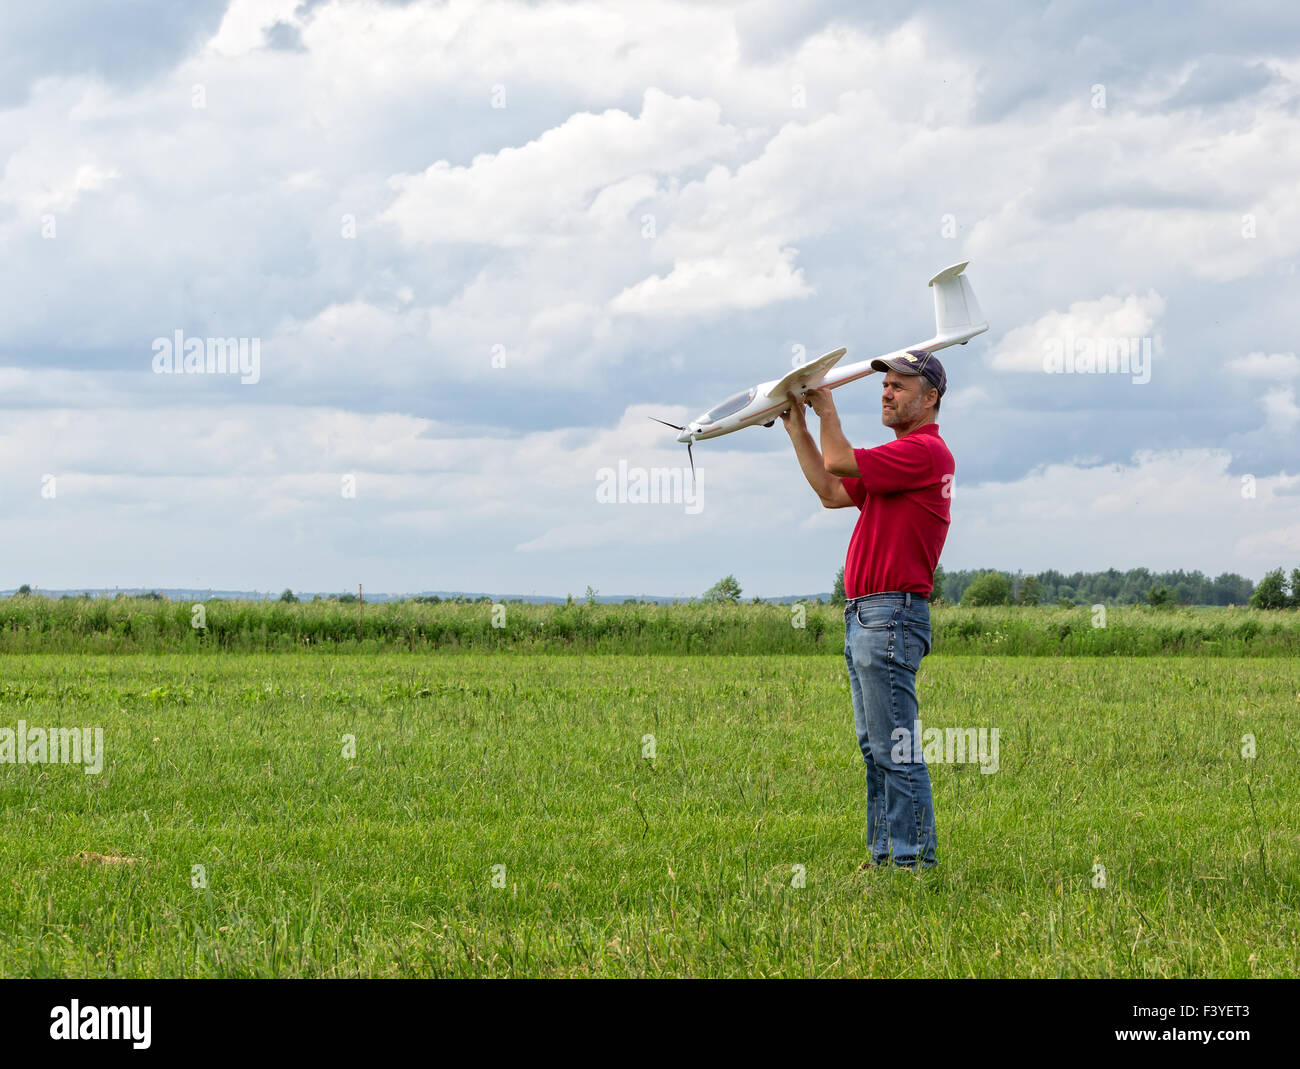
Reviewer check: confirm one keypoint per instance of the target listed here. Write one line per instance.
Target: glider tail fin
(957, 315)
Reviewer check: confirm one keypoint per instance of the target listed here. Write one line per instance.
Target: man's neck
(900, 431)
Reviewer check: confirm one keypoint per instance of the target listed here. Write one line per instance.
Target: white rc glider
(957, 319)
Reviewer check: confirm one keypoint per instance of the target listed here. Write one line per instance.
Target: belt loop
(907, 600)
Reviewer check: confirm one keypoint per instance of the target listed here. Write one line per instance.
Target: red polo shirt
(904, 498)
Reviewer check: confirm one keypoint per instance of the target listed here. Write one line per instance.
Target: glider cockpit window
(729, 406)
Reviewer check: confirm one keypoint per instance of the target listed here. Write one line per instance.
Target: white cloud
(245, 24)
(1280, 410)
(575, 180)
(1113, 317)
(1259, 365)
(1134, 514)
(1278, 545)
(266, 486)
(742, 279)
(967, 397)
(36, 180)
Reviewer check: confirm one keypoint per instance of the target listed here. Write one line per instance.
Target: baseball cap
(916, 362)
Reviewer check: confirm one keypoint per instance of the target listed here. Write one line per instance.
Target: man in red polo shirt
(903, 490)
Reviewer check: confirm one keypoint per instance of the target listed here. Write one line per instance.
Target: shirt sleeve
(856, 491)
(904, 464)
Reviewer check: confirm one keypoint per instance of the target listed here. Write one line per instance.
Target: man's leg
(883, 657)
(877, 825)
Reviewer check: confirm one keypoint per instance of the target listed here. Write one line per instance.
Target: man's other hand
(793, 417)
(820, 400)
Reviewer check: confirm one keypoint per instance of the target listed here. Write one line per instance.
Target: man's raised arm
(838, 458)
(827, 486)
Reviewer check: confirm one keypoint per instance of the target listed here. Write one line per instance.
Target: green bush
(988, 588)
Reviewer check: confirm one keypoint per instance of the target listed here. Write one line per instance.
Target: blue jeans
(885, 637)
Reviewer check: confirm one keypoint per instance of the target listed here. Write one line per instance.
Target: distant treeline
(32, 624)
(1113, 587)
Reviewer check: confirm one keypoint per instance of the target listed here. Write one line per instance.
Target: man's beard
(892, 417)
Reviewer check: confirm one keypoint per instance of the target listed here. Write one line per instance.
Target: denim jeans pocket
(880, 618)
(914, 643)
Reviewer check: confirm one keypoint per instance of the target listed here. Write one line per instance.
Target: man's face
(900, 399)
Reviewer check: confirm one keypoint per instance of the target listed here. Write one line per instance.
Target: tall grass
(137, 625)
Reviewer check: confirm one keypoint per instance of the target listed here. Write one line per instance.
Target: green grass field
(382, 864)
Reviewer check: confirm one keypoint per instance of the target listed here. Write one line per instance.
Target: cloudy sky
(478, 243)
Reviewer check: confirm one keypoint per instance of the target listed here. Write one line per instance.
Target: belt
(906, 595)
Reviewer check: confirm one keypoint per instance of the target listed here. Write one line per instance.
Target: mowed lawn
(734, 851)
